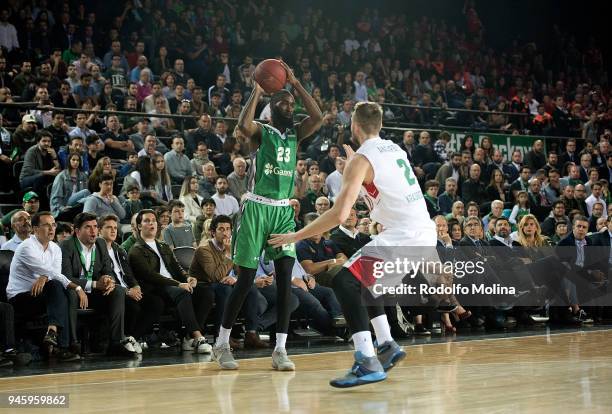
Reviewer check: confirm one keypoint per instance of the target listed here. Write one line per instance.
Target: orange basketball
(271, 75)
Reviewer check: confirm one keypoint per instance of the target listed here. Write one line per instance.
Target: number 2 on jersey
(407, 171)
(283, 154)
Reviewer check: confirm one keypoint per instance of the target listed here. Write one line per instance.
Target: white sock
(281, 340)
(382, 329)
(363, 343)
(224, 335)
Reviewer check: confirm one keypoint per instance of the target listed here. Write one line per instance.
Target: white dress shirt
(13, 243)
(117, 268)
(30, 262)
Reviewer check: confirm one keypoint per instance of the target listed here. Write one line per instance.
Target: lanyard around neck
(88, 272)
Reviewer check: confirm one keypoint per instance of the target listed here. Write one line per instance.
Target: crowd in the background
(197, 59)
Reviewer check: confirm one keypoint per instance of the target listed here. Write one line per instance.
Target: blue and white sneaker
(390, 354)
(365, 370)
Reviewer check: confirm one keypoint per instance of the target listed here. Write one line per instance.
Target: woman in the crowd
(468, 144)
(69, 186)
(103, 166)
(191, 199)
(144, 177)
(455, 230)
(487, 145)
(164, 218)
(497, 186)
(163, 185)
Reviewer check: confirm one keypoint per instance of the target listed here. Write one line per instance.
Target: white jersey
(394, 197)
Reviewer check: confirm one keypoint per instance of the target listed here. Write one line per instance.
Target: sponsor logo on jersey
(271, 169)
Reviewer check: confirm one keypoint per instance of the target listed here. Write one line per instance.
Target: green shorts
(257, 223)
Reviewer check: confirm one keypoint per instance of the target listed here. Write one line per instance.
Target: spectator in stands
(25, 136)
(449, 196)
(40, 165)
(576, 258)
(225, 203)
(69, 186)
(207, 213)
(237, 180)
(85, 262)
(117, 144)
(593, 178)
(585, 166)
(75, 146)
(200, 157)
(104, 202)
(178, 233)
(204, 133)
(157, 270)
(424, 155)
(177, 163)
(334, 180)
(596, 196)
(473, 189)
(37, 285)
(191, 199)
(318, 256)
(58, 129)
(452, 168)
(556, 215)
(103, 166)
(162, 179)
(81, 129)
(535, 158)
(347, 237)
(21, 227)
(212, 265)
(431, 197)
(597, 213)
(132, 204)
(521, 208)
(314, 191)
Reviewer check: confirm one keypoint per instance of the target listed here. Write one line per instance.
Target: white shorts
(381, 248)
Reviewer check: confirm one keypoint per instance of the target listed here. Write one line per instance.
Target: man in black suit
(142, 309)
(347, 237)
(513, 168)
(570, 154)
(605, 171)
(572, 251)
(85, 261)
(157, 270)
(603, 242)
(521, 183)
(585, 166)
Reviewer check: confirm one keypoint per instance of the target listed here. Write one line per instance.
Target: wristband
(335, 261)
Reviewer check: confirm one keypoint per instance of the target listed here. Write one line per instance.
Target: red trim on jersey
(371, 190)
(363, 270)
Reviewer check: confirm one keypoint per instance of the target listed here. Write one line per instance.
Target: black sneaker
(419, 329)
(65, 355)
(582, 316)
(5, 363)
(50, 338)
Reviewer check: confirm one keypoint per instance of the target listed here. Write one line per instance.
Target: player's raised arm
(246, 121)
(314, 120)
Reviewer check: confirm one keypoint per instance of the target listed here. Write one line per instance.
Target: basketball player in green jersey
(266, 210)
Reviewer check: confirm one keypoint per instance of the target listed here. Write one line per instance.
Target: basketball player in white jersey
(396, 201)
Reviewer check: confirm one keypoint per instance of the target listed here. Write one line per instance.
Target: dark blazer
(348, 245)
(145, 264)
(566, 251)
(511, 172)
(473, 191)
(122, 257)
(71, 261)
(566, 157)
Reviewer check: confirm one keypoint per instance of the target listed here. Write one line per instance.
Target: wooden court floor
(558, 373)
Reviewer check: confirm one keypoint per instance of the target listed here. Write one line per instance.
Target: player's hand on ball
(290, 75)
(279, 240)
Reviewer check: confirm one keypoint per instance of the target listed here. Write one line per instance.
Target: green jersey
(274, 163)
